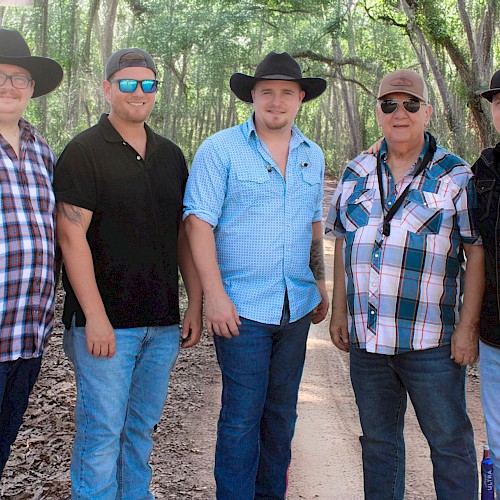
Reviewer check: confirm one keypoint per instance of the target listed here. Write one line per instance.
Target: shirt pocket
(309, 191)
(253, 187)
(423, 212)
(358, 209)
(484, 190)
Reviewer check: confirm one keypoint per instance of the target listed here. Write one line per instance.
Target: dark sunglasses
(388, 106)
(128, 86)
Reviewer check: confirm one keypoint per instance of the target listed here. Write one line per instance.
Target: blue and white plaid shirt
(262, 224)
(404, 289)
(27, 246)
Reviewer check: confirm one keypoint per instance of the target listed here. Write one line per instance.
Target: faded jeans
(489, 366)
(119, 402)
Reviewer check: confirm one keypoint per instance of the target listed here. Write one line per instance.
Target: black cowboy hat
(494, 87)
(46, 72)
(276, 67)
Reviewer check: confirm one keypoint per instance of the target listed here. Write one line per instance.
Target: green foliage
(198, 44)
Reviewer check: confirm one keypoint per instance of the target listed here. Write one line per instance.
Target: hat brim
(242, 86)
(46, 72)
(401, 91)
(488, 94)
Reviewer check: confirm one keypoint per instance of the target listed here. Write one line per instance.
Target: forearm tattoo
(317, 261)
(72, 213)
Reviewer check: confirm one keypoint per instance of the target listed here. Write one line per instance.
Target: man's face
(401, 126)
(495, 111)
(276, 103)
(132, 107)
(13, 101)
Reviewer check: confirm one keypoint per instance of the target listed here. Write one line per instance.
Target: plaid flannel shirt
(404, 289)
(27, 246)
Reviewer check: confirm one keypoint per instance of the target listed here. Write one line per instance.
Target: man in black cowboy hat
(487, 180)
(253, 213)
(27, 249)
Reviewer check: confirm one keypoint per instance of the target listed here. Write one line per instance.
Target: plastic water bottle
(487, 480)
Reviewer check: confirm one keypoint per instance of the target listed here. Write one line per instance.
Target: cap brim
(242, 86)
(488, 94)
(46, 72)
(401, 91)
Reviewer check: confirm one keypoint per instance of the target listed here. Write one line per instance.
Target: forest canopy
(198, 44)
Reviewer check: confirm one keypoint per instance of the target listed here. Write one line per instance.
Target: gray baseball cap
(127, 58)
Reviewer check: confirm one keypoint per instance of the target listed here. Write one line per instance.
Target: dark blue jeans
(17, 379)
(436, 386)
(261, 371)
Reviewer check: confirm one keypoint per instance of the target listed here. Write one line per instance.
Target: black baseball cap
(129, 58)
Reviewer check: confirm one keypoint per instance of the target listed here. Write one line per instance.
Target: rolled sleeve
(206, 186)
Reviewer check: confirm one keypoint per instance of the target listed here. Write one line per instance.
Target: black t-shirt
(137, 208)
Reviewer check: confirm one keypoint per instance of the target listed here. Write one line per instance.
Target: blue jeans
(17, 379)
(119, 401)
(261, 371)
(489, 366)
(436, 386)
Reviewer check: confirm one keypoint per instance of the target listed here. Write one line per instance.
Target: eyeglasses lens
(18, 81)
(388, 106)
(129, 86)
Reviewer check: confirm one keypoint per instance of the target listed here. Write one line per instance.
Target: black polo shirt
(137, 208)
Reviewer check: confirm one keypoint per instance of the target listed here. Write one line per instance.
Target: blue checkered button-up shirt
(262, 224)
(403, 290)
(26, 246)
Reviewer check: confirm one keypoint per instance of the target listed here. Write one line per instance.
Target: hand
(221, 315)
(191, 327)
(375, 147)
(320, 311)
(100, 337)
(465, 344)
(339, 332)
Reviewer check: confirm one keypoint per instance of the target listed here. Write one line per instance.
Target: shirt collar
(383, 153)
(112, 135)
(27, 130)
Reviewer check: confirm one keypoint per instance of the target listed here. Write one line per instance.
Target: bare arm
(338, 322)
(220, 312)
(317, 265)
(192, 324)
(72, 225)
(464, 341)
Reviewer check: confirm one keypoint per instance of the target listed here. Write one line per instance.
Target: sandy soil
(326, 461)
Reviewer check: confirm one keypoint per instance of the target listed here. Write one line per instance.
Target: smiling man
(119, 189)
(27, 244)
(253, 208)
(403, 220)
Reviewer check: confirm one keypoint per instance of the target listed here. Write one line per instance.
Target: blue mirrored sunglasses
(128, 86)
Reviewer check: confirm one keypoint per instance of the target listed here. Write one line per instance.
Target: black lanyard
(419, 168)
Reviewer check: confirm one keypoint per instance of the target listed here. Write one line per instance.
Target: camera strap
(419, 168)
